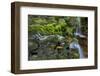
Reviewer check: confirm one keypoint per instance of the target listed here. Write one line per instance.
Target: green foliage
(48, 25)
(74, 54)
(64, 26)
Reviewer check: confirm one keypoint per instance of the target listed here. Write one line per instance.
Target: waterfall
(78, 28)
(75, 45)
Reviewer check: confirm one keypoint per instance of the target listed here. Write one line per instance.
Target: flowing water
(78, 29)
(73, 45)
(76, 45)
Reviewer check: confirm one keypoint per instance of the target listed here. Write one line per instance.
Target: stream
(76, 45)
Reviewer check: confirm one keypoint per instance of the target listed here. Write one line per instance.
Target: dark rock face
(84, 44)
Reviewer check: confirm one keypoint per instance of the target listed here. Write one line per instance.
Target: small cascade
(75, 45)
(78, 29)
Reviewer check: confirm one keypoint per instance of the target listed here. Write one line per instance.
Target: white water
(75, 45)
(78, 29)
(42, 38)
